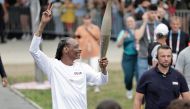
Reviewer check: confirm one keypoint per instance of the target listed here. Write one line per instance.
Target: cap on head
(161, 29)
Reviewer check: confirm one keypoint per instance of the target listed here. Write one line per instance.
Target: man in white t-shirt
(67, 77)
(161, 32)
(183, 64)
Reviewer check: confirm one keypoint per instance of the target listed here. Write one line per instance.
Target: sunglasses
(160, 35)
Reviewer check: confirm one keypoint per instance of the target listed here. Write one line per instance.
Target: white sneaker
(129, 94)
(96, 89)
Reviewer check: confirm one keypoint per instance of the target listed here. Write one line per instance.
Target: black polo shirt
(160, 89)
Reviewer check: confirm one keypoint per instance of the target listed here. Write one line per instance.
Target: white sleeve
(121, 33)
(180, 63)
(98, 78)
(154, 53)
(42, 60)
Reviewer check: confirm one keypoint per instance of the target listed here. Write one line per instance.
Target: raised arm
(42, 60)
(139, 32)
(46, 17)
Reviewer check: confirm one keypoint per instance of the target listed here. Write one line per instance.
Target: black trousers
(2, 70)
(2, 24)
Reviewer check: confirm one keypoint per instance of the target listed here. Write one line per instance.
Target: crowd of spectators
(67, 15)
(134, 23)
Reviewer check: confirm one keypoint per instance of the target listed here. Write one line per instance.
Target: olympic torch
(106, 29)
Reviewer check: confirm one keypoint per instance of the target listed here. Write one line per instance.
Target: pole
(35, 16)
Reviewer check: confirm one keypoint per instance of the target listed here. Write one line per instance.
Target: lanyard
(178, 41)
(148, 33)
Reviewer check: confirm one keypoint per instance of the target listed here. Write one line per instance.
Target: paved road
(10, 100)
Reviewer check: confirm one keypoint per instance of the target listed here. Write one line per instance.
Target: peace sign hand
(47, 14)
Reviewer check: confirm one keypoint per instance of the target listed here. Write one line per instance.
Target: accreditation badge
(174, 58)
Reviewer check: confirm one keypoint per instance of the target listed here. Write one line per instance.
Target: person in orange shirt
(88, 36)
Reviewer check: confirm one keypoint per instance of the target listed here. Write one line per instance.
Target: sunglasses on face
(160, 35)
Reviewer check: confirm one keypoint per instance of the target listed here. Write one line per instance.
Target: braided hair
(60, 47)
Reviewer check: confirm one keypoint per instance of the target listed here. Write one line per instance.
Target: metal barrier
(15, 23)
(20, 23)
(185, 19)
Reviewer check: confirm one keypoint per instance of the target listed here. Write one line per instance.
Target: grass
(113, 90)
(40, 97)
(19, 79)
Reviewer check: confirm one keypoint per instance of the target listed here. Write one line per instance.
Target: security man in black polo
(161, 84)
